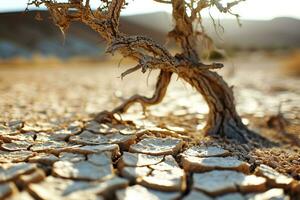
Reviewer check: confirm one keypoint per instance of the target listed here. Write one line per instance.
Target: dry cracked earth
(52, 149)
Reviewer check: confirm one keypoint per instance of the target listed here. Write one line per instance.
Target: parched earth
(52, 149)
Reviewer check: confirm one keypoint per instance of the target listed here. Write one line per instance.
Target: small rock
(196, 164)
(138, 159)
(157, 146)
(275, 193)
(203, 151)
(82, 170)
(146, 194)
(44, 158)
(219, 182)
(274, 178)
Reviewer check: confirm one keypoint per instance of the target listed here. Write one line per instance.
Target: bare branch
(130, 70)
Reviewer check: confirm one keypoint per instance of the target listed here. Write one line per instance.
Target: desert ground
(52, 149)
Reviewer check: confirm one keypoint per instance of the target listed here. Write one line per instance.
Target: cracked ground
(52, 149)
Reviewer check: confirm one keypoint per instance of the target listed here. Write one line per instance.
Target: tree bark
(222, 117)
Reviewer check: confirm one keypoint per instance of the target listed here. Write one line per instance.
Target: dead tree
(223, 119)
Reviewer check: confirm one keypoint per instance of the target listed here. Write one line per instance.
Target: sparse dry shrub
(223, 119)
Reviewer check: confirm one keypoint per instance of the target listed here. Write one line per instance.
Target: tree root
(162, 83)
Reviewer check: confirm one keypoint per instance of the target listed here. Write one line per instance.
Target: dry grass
(291, 65)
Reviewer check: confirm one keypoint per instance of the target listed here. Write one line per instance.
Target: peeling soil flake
(274, 178)
(138, 159)
(158, 146)
(82, 170)
(203, 151)
(196, 164)
(219, 182)
(146, 194)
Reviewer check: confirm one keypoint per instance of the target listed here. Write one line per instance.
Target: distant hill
(276, 33)
(22, 35)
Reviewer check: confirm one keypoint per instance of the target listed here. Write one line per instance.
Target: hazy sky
(251, 9)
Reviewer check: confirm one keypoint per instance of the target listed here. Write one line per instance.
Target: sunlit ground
(53, 96)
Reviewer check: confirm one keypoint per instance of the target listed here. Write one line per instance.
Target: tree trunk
(222, 117)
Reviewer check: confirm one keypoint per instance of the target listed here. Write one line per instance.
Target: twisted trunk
(222, 117)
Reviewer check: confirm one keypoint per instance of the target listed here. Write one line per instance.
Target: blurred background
(30, 35)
